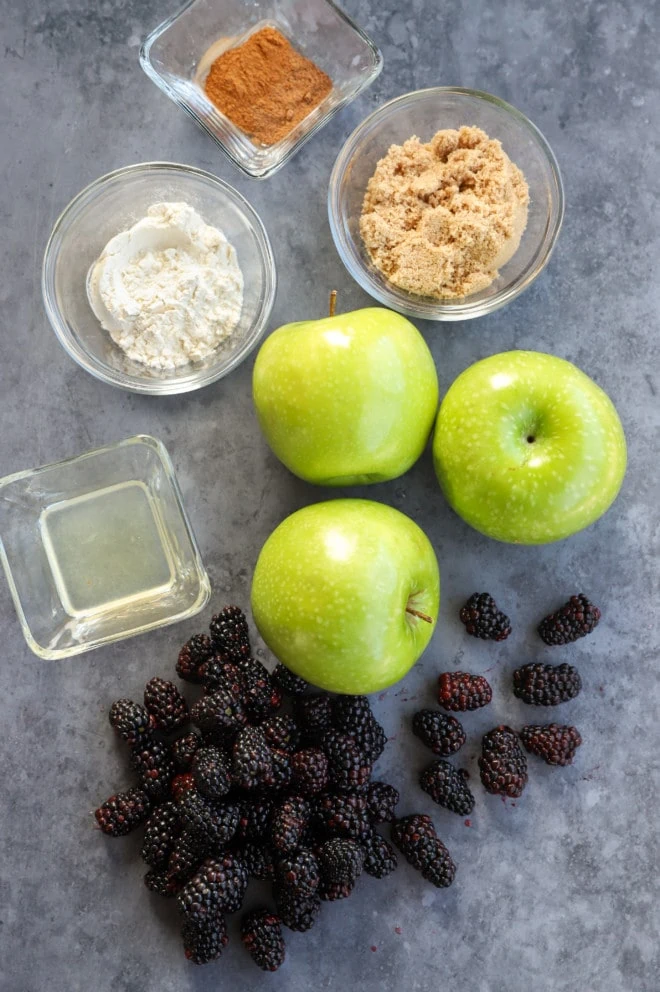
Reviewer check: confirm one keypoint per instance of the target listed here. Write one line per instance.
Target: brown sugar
(265, 86)
(440, 219)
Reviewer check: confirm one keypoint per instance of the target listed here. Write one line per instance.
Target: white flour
(169, 289)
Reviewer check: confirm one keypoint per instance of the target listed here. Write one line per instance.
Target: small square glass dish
(178, 54)
(98, 547)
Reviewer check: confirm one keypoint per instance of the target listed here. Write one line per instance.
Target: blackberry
(483, 619)
(183, 750)
(212, 823)
(379, 856)
(192, 657)
(341, 861)
(254, 820)
(210, 769)
(261, 933)
(130, 720)
(556, 745)
(310, 770)
(181, 784)
(187, 854)
(252, 760)
(282, 774)
(352, 715)
(447, 787)
(460, 691)
(161, 883)
(442, 734)
(296, 913)
(258, 860)
(124, 811)
(348, 768)
(331, 891)
(288, 824)
(574, 620)
(288, 682)
(503, 765)
(221, 674)
(281, 732)
(220, 714)
(371, 740)
(336, 815)
(382, 800)
(204, 941)
(313, 714)
(166, 704)
(299, 873)
(153, 763)
(546, 685)
(417, 840)
(229, 633)
(162, 829)
(261, 697)
(218, 885)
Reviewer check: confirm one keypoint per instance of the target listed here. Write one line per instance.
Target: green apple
(346, 594)
(349, 399)
(527, 448)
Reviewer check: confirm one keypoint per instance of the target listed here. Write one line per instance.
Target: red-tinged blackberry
(212, 823)
(546, 685)
(252, 760)
(187, 855)
(288, 824)
(341, 861)
(555, 744)
(342, 815)
(332, 891)
(180, 784)
(221, 714)
(166, 704)
(261, 697)
(574, 620)
(503, 765)
(282, 774)
(417, 840)
(211, 771)
(460, 691)
(205, 940)
(153, 763)
(192, 657)
(161, 883)
(258, 859)
(218, 885)
(261, 933)
(281, 732)
(130, 720)
(218, 673)
(441, 733)
(288, 682)
(313, 714)
(184, 749)
(380, 857)
(254, 820)
(299, 872)
(124, 811)
(447, 787)
(348, 767)
(160, 833)
(483, 619)
(230, 634)
(382, 800)
(310, 770)
(296, 913)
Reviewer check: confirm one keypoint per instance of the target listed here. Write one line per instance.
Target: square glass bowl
(178, 54)
(98, 547)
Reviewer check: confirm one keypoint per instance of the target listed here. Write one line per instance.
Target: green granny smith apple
(346, 594)
(527, 448)
(349, 399)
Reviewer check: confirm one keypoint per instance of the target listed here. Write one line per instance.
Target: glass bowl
(110, 205)
(98, 548)
(422, 113)
(178, 54)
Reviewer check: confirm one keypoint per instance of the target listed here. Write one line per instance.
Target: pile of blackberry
(261, 787)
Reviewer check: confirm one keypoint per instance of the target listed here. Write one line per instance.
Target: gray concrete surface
(556, 893)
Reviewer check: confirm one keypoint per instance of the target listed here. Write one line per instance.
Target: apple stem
(333, 303)
(422, 616)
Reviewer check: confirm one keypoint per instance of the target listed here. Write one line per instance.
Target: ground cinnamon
(265, 86)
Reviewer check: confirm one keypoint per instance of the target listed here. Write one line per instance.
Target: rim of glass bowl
(158, 387)
(424, 307)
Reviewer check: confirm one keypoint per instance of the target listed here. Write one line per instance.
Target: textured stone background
(556, 893)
